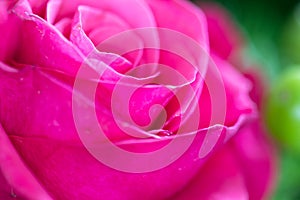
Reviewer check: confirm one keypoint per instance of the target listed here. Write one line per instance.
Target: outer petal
(221, 178)
(42, 45)
(237, 99)
(36, 112)
(6, 192)
(69, 171)
(237, 95)
(13, 170)
(48, 142)
(224, 37)
(257, 160)
(259, 82)
(243, 169)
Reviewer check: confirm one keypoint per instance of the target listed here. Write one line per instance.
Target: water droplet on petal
(165, 133)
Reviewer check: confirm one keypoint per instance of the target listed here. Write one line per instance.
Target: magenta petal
(69, 171)
(49, 144)
(237, 95)
(39, 130)
(4, 6)
(238, 101)
(191, 21)
(257, 160)
(24, 95)
(78, 35)
(224, 37)
(8, 41)
(88, 19)
(6, 192)
(64, 26)
(137, 13)
(42, 45)
(10, 21)
(220, 178)
(21, 181)
(98, 24)
(38, 7)
(52, 10)
(243, 169)
(22, 8)
(92, 27)
(79, 38)
(259, 82)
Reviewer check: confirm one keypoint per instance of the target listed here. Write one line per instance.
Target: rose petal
(91, 20)
(51, 48)
(257, 160)
(224, 37)
(220, 178)
(191, 20)
(10, 27)
(64, 26)
(6, 192)
(141, 17)
(259, 82)
(39, 7)
(28, 91)
(241, 170)
(78, 36)
(50, 146)
(92, 27)
(69, 171)
(52, 10)
(238, 100)
(16, 173)
(82, 26)
(48, 140)
(25, 93)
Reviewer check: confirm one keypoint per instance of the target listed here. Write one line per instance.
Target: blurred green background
(270, 30)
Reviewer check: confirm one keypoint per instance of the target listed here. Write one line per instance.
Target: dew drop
(165, 133)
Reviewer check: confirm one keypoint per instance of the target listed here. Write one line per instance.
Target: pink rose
(55, 54)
